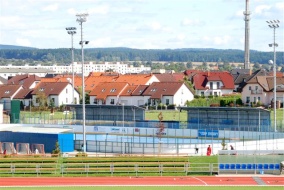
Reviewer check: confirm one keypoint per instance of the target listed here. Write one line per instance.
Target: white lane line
(200, 180)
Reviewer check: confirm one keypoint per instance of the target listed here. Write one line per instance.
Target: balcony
(260, 91)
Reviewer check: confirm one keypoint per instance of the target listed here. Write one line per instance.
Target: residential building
(213, 83)
(42, 70)
(59, 93)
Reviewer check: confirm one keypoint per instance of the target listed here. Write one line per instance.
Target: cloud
(23, 42)
(190, 22)
(217, 40)
(104, 9)
(52, 8)
(101, 42)
(261, 9)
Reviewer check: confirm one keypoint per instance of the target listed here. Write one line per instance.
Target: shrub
(81, 154)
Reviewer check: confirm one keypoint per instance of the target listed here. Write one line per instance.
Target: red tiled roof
(158, 89)
(25, 80)
(6, 91)
(50, 88)
(105, 89)
(170, 77)
(200, 79)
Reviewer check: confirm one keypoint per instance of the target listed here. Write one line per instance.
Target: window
(258, 99)
(66, 100)
(153, 90)
(95, 101)
(211, 85)
(112, 101)
(254, 99)
(218, 85)
(256, 87)
(215, 94)
(202, 93)
(66, 91)
(249, 87)
(248, 99)
(167, 101)
(113, 90)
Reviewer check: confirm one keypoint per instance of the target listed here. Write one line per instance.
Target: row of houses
(144, 89)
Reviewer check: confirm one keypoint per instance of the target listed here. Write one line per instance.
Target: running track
(144, 181)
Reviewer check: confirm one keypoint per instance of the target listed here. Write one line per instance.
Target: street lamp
(83, 18)
(72, 31)
(274, 24)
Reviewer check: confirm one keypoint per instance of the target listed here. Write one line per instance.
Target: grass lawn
(151, 188)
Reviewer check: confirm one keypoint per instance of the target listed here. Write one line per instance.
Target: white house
(59, 93)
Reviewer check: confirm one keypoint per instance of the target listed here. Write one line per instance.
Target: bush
(81, 154)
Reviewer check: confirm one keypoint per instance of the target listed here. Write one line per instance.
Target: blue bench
(249, 166)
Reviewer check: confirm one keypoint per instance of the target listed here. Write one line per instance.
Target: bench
(249, 167)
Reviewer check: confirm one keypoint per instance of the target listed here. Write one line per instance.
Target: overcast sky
(142, 24)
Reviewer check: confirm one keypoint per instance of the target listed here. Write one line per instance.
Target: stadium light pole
(72, 31)
(274, 24)
(80, 19)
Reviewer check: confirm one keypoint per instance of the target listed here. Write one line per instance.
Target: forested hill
(63, 56)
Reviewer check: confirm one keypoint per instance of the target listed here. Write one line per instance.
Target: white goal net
(23, 148)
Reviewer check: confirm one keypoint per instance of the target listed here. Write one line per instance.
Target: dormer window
(41, 89)
(153, 90)
(7, 91)
(113, 90)
(103, 90)
(128, 91)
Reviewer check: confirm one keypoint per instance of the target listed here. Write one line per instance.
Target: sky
(141, 24)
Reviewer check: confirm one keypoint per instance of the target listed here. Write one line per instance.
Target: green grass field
(150, 188)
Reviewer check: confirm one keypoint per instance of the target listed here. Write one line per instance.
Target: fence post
(111, 169)
(62, 170)
(161, 169)
(136, 169)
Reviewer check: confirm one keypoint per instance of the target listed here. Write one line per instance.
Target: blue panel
(48, 140)
(277, 166)
(238, 166)
(253, 166)
(271, 166)
(232, 166)
(244, 166)
(66, 142)
(265, 166)
(221, 166)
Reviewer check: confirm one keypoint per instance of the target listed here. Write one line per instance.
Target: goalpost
(8, 147)
(38, 148)
(23, 148)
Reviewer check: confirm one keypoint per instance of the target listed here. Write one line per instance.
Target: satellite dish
(270, 62)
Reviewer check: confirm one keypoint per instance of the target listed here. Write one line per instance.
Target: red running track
(140, 181)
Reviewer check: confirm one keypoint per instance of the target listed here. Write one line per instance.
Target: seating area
(249, 166)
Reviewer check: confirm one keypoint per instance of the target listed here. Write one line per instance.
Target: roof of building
(105, 89)
(200, 79)
(6, 91)
(50, 88)
(28, 129)
(25, 80)
(25, 70)
(170, 77)
(158, 89)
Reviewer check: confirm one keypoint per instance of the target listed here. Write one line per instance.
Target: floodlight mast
(274, 24)
(80, 19)
(72, 31)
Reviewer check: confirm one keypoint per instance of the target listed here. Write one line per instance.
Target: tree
(42, 100)
(189, 65)
(56, 151)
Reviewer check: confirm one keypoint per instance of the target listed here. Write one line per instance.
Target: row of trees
(63, 55)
